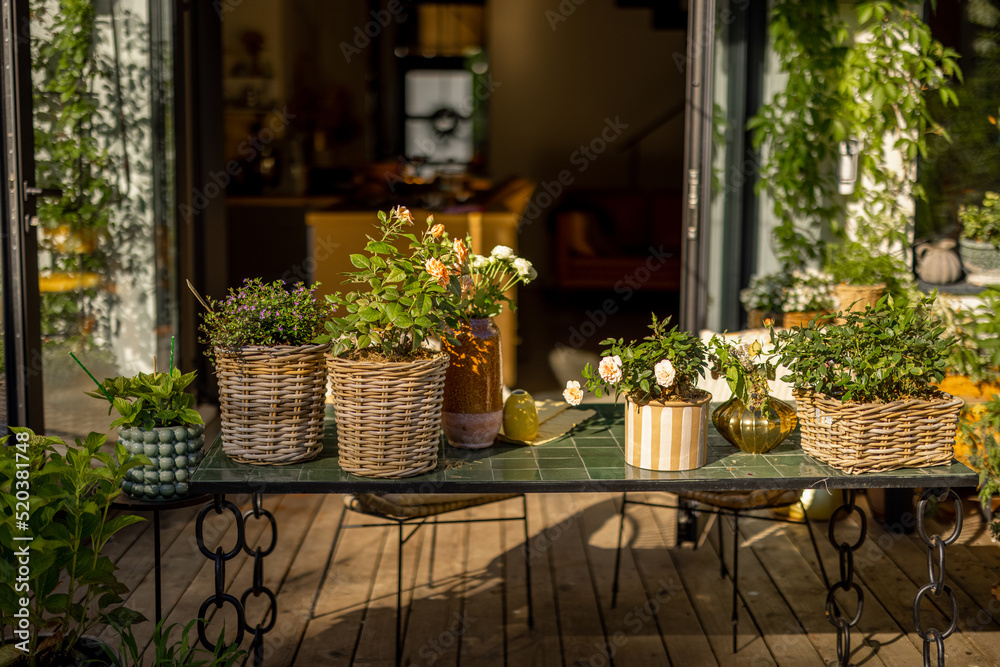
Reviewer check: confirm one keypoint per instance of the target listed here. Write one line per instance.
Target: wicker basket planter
(388, 415)
(854, 298)
(272, 401)
(802, 318)
(877, 437)
(757, 318)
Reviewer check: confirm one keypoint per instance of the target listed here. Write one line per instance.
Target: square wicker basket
(877, 437)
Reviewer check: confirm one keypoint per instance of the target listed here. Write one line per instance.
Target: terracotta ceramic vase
(473, 389)
(667, 435)
(754, 432)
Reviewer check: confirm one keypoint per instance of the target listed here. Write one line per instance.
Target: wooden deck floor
(673, 608)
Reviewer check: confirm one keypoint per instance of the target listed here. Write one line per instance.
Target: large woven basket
(388, 415)
(877, 437)
(796, 318)
(272, 402)
(854, 298)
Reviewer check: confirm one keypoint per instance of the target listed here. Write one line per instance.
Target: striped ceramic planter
(666, 436)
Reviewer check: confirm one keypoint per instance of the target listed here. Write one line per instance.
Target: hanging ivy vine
(869, 84)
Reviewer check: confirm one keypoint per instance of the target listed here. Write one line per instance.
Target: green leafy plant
(982, 223)
(807, 291)
(746, 368)
(976, 332)
(265, 314)
(883, 354)
(65, 500)
(664, 365)
(982, 433)
(148, 400)
(168, 652)
(834, 94)
(410, 295)
(766, 292)
(855, 263)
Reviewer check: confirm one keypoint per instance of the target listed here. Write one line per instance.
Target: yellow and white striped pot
(666, 435)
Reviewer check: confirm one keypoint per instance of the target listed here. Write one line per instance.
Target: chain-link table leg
(257, 589)
(935, 572)
(846, 582)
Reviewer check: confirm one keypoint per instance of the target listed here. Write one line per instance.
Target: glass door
(100, 178)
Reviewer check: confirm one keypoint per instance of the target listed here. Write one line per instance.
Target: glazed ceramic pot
(668, 435)
(754, 431)
(473, 388)
(520, 418)
(174, 453)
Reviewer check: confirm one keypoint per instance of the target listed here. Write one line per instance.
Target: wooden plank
(332, 633)
(634, 634)
(698, 570)
(581, 625)
(482, 633)
(680, 629)
(437, 617)
(539, 646)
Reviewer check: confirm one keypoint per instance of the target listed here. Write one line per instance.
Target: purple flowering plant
(264, 314)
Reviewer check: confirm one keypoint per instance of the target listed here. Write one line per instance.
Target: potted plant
(55, 515)
(473, 390)
(808, 297)
(666, 415)
(156, 418)
(861, 276)
(271, 370)
(752, 420)
(865, 388)
(764, 297)
(388, 387)
(167, 652)
(980, 240)
(984, 432)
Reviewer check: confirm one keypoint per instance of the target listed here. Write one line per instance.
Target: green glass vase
(754, 432)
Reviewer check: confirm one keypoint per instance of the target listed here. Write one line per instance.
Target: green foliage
(855, 263)
(873, 89)
(986, 457)
(746, 369)
(976, 331)
(147, 400)
(72, 587)
(263, 314)
(170, 653)
(884, 354)
(637, 361)
(409, 296)
(982, 223)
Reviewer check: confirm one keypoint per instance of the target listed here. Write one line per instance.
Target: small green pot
(174, 453)
(520, 418)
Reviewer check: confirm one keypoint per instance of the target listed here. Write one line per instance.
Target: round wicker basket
(388, 415)
(756, 319)
(802, 318)
(854, 298)
(272, 401)
(877, 437)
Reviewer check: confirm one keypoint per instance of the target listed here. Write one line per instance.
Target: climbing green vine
(870, 84)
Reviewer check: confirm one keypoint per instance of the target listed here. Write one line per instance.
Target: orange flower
(461, 252)
(404, 214)
(438, 270)
(467, 284)
(437, 230)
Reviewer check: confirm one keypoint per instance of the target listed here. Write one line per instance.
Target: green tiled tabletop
(589, 458)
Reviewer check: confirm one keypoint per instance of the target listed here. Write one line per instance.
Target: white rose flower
(502, 252)
(573, 394)
(478, 261)
(523, 268)
(610, 369)
(665, 373)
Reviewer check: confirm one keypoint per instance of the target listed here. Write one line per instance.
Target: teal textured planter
(174, 453)
(978, 256)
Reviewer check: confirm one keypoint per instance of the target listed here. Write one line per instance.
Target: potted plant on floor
(865, 388)
(666, 415)
(55, 515)
(980, 240)
(752, 420)
(862, 276)
(473, 390)
(388, 387)
(809, 297)
(156, 419)
(984, 432)
(271, 370)
(764, 297)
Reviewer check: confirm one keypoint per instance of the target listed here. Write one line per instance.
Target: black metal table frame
(936, 485)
